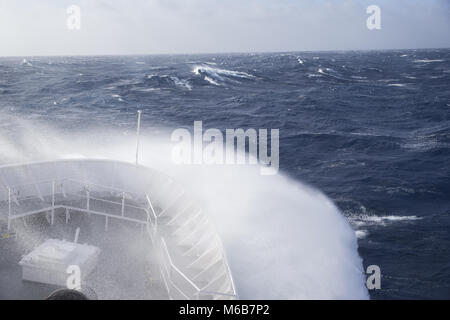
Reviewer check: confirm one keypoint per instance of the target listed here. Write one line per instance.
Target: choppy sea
(369, 129)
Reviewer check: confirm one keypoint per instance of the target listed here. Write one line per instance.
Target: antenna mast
(137, 136)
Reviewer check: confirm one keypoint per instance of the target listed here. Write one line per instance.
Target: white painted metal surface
(49, 262)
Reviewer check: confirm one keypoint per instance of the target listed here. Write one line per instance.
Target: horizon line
(219, 52)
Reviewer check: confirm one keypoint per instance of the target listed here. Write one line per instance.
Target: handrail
(60, 182)
(52, 205)
(85, 183)
(88, 183)
(30, 183)
(198, 290)
(72, 180)
(151, 207)
(172, 265)
(81, 197)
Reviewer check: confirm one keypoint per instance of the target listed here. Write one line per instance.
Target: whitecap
(181, 83)
(396, 85)
(427, 60)
(211, 81)
(391, 218)
(118, 97)
(387, 80)
(175, 80)
(216, 75)
(361, 234)
(366, 219)
(25, 62)
(146, 89)
(221, 72)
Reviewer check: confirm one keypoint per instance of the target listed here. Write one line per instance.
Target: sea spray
(282, 239)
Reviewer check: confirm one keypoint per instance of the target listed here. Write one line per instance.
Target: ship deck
(156, 242)
(125, 270)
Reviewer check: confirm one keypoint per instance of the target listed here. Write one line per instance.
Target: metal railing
(185, 288)
(203, 232)
(75, 195)
(84, 196)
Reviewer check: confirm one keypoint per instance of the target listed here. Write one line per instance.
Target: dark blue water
(369, 129)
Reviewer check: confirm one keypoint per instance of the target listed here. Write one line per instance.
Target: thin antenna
(137, 136)
(77, 233)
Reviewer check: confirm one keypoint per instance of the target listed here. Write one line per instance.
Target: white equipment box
(48, 262)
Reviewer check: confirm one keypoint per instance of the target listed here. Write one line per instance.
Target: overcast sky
(30, 27)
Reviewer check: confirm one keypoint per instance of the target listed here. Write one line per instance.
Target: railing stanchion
(137, 136)
(106, 223)
(9, 208)
(67, 215)
(123, 204)
(53, 202)
(88, 202)
(155, 226)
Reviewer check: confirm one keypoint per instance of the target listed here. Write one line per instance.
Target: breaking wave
(166, 80)
(366, 219)
(283, 239)
(427, 60)
(216, 76)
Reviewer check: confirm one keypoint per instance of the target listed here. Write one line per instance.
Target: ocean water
(371, 130)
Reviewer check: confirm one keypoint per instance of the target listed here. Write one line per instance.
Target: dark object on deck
(66, 294)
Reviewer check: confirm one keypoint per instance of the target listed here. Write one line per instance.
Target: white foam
(181, 83)
(117, 96)
(211, 81)
(427, 60)
(177, 81)
(361, 234)
(391, 218)
(366, 219)
(396, 85)
(25, 62)
(216, 75)
(276, 226)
